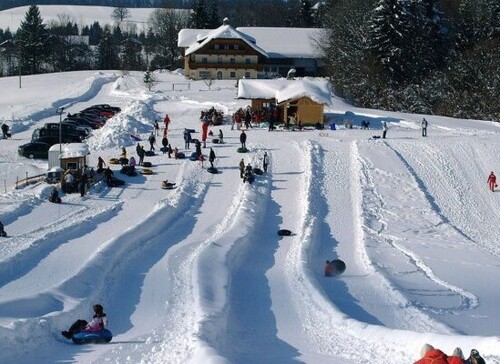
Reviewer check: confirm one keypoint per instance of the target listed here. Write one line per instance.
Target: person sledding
(2, 230)
(54, 196)
(5, 131)
(99, 322)
(492, 181)
(167, 185)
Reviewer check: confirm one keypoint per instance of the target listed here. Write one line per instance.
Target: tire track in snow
(377, 215)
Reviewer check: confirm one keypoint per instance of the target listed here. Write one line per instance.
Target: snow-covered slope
(198, 274)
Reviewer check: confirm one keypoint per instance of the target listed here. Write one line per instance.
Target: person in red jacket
(432, 356)
(492, 181)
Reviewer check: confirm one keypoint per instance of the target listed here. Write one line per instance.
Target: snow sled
(92, 337)
(258, 171)
(338, 267)
(180, 155)
(193, 156)
(212, 170)
(115, 182)
(135, 137)
(128, 170)
(146, 171)
(284, 232)
(147, 164)
(149, 153)
(242, 150)
(167, 185)
(215, 141)
(114, 161)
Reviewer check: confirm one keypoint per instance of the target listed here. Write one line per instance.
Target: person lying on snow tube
(99, 322)
(54, 196)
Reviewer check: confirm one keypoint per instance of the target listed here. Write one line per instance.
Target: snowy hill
(198, 274)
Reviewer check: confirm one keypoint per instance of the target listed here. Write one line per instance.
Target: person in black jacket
(243, 139)
(211, 158)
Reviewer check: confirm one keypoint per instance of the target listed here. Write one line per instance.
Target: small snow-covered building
(249, 52)
(71, 156)
(306, 99)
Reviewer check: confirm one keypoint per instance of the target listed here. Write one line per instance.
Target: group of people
(431, 355)
(79, 183)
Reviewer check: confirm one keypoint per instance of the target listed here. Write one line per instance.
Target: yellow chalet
(222, 53)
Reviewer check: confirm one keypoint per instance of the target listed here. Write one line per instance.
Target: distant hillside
(8, 4)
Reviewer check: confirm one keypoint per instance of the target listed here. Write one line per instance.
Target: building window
(248, 60)
(219, 59)
(204, 74)
(216, 46)
(204, 60)
(219, 75)
(232, 60)
(232, 74)
(236, 46)
(247, 74)
(226, 46)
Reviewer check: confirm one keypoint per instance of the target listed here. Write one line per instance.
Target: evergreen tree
(131, 55)
(305, 18)
(32, 38)
(199, 16)
(213, 18)
(107, 52)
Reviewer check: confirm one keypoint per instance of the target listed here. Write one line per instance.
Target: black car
(52, 139)
(114, 109)
(34, 150)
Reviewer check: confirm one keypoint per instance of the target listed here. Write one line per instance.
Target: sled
(135, 137)
(180, 156)
(114, 161)
(215, 141)
(146, 171)
(284, 232)
(212, 170)
(147, 164)
(193, 156)
(168, 186)
(242, 150)
(92, 337)
(258, 171)
(149, 153)
(338, 267)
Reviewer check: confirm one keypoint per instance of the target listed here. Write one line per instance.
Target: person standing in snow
(492, 181)
(384, 129)
(164, 142)
(2, 230)
(264, 162)
(166, 121)
(152, 142)
(156, 127)
(242, 168)
(211, 158)
(187, 138)
(424, 127)
(243, 139)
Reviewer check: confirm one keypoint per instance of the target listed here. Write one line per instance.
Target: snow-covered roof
(225, 31)
(72, 150)
(285, 42)
(284, 90)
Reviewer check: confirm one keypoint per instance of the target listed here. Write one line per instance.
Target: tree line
(417, 56)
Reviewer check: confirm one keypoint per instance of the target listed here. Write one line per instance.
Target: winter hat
(425, 349)
(458, 352)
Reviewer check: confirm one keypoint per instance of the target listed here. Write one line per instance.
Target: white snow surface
(198, 274)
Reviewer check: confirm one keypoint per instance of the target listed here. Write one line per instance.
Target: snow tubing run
(284, 232)
(338, 267)
(92, 337)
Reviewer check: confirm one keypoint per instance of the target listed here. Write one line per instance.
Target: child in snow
(99, 322)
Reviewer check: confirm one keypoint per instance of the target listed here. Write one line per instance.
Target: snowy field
(198, 274)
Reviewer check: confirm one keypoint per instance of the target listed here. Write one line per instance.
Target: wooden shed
(307, 111)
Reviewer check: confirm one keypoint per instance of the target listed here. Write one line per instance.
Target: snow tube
(284, 232)
(114, 161)
(215, 141)
(193, 156)
(338, 267)
(180, 156)
(149, 153)
(146, 171)
(212, 170)
(242, 150)
(167, 186)
(135, 137)
(258, 171)
(147, 164)
(92, 337)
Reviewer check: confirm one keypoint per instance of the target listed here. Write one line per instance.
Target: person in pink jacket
(99, 322)
(492, 181)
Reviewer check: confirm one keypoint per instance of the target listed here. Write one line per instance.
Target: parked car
(53, 129)
(106, 107)
(34, 150)
(52, 139)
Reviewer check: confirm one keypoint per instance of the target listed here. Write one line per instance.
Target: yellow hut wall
(309, 112)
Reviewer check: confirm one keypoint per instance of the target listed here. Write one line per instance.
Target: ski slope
(198, 274)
